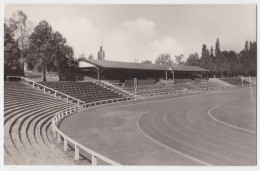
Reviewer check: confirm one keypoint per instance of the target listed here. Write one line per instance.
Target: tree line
(226, 63)
(219, 63)
(40, 49)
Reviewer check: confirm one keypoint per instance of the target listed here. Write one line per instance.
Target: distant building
(101, 54)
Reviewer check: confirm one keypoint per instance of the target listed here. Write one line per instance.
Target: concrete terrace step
(27, 131)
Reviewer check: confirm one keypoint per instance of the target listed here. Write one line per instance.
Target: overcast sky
(134, 33)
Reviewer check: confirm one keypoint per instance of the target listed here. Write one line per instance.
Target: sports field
(214, 128)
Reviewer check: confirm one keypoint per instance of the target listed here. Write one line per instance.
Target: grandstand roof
(139, 66)
(128, 65)
(188, 68)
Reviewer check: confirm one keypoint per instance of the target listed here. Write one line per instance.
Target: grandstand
(85, 91)
(27, 126)
(147, 74)
(234, 81)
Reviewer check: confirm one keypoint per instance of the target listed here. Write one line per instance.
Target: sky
(134, 33)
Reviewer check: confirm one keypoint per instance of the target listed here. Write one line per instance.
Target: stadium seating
(234, 81)
(206, 85)
(181, 86)
(130, 83)
(85, 91)
(173, 88)
(143, 90)
(27, 126)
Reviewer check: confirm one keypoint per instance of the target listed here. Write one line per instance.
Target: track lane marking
(206, 142)
(171, 98)
(174, 150)
(209, 113)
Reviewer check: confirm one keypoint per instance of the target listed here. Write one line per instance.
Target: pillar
(166, 77)
(76, 152)
(94, 160)
(97, 73)
(173, 76)
(58, 137)
(65, 145)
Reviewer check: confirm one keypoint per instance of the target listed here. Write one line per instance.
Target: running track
(184, 126)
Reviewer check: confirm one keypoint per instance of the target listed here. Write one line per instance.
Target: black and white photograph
(129, 85)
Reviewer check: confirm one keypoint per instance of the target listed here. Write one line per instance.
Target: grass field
(216, 128)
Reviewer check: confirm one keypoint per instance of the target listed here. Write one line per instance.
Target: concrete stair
(27, 132)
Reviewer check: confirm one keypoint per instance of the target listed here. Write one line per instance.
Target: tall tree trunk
(22, 57)
(44, 71)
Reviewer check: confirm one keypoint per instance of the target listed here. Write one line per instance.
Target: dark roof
(142, 66)
(187, 68)
(128, 65)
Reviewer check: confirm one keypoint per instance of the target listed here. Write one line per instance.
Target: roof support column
(97, 73)
(166, 76)
(173, 76)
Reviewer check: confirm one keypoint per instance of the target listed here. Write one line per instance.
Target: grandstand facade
(120, 72)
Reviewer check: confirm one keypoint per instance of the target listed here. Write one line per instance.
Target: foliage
(193, 60)
(147, 62)
(12, 65)
(226, 63)
(164, 58)
(42, 51)
(82, 57)
(101, 54)
(179, 59)
(21, 29)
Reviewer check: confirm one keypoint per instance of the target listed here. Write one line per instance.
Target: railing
(77, 146)
(45, 88)
(190, 90)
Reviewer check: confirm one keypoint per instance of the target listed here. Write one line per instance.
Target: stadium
(119, 113)
(129, 85)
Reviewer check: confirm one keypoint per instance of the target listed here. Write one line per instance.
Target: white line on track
(173, 98)
(209, 113)
(174, 150)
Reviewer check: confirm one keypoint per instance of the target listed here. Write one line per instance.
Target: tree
(42, 40)
(253, 57)
(164, 58)
(147, 62)
(246, 46)
(91, 56)
(12, 65)
(62, 54)
(82, 57)
(179, 59)
(193, 60)
(205, 60)
(21, 28)
(220, 60)
(101, 54)
(217, 48)
(248, 59)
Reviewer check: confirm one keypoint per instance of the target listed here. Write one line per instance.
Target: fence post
(55, 94)
(65, 145)
(44, 89)
(76, 152)
(58, 137)
(67, 98)
(53, 129)
(94, 160)
(78, 102)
